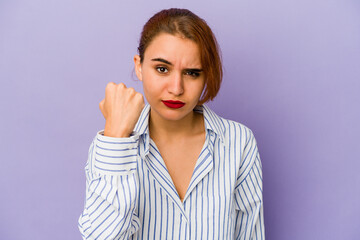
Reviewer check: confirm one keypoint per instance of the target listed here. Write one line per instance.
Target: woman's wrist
(112, 132)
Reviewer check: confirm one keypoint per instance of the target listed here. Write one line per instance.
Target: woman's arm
(111, 189)
(248, 194)
(111, 179)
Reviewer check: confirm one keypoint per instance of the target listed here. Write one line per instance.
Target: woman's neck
(190, 125)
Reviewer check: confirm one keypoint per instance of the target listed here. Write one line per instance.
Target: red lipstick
(173, 104)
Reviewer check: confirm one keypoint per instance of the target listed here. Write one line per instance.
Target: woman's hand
(121, 108)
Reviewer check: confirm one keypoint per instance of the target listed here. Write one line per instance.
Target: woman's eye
(193, 74)
(161, 69)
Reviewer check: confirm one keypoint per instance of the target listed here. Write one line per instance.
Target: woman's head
(185, 24)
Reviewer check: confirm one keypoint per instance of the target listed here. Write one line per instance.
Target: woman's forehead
(174, 49)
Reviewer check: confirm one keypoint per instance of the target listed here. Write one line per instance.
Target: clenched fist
(121, 108)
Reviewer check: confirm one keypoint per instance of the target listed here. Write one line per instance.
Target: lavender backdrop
(292, 71)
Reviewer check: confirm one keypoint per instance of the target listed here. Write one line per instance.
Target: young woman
(172, 168)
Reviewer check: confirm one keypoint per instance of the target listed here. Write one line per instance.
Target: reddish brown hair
(185, 23)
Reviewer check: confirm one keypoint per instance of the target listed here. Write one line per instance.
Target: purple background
(292, 72)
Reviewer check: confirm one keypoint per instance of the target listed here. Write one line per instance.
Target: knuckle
(110, 84)
(121, 85)
(139, 95)
(131, 92)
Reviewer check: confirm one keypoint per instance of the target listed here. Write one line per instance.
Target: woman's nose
(176, 84)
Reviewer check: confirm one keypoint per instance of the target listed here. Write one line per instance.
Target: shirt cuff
(115, 155)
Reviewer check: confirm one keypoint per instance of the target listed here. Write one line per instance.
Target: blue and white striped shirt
(130, 194)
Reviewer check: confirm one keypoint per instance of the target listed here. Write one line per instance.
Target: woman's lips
(173, 104)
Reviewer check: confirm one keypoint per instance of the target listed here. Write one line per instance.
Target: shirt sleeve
(248, 194)
(111, 189)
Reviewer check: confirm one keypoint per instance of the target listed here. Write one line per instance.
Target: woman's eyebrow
(162, 60)
(167, 62)
(193, 69)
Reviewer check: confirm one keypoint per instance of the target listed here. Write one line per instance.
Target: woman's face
(171, 70)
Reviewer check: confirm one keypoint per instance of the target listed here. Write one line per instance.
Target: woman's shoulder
(237, 131)
(231, 130)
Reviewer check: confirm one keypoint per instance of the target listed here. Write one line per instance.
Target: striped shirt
(130, 193)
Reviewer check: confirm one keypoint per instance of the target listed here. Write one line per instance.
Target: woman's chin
(171, 114)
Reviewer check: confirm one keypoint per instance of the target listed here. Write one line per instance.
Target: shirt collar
(213, 122)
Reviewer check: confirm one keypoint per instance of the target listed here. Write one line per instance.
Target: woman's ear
(138, 67)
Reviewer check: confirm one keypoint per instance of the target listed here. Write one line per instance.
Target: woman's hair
(183, 22)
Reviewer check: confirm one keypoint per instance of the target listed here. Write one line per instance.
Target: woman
(172, 168)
